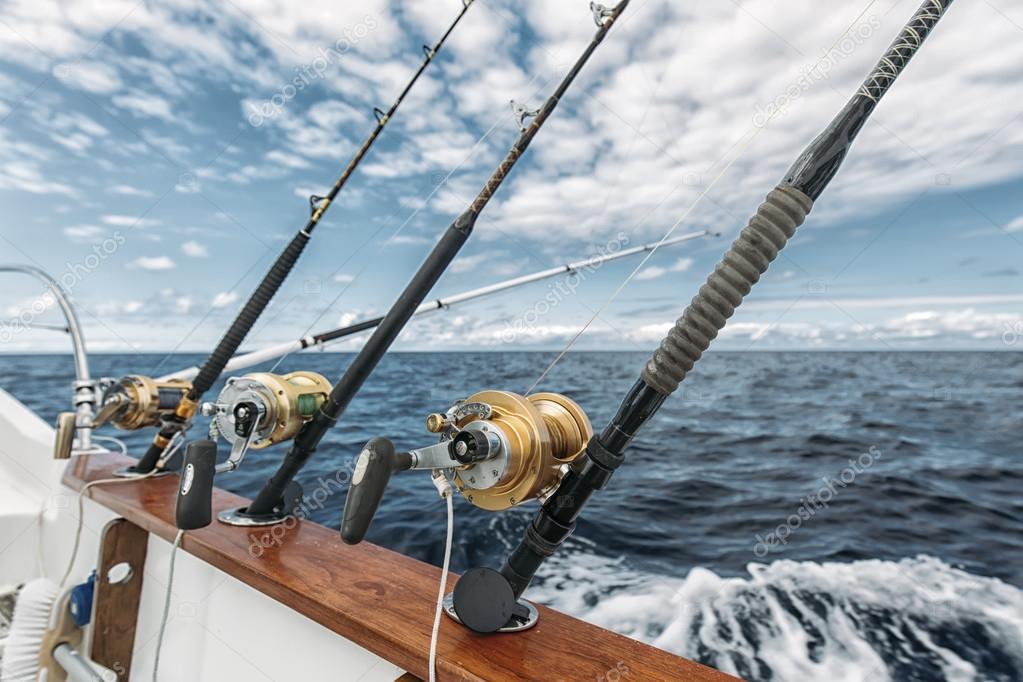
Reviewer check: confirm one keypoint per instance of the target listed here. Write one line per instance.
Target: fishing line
(440, 482)
(81, 516)
(166, 605)
(411, 217)
(742, 150)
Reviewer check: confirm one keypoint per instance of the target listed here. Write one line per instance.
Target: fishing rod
(137, 401)
(280, 350)
(269, 503)
(566, 462)
(260, 409)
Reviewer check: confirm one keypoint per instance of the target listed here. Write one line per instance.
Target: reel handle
(376, 463)
(195, 492)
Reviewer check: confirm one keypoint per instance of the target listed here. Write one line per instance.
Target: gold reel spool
(136, 402)
(540, 434)
(289, 401)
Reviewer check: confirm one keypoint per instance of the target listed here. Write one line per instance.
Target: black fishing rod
(179, 420)
(484, 598)
(269, 501)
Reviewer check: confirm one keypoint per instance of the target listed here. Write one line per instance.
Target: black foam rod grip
(373, 470)
(195, 492)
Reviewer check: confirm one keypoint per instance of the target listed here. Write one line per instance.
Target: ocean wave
(914, 619)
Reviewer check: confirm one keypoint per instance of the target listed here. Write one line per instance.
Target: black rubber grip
(373, 470)
(195, 491)
(254, 307)
(741, 267)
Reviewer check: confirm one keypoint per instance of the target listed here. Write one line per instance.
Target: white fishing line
(440, 481)
(81, 517)
(750, 138)
(166, 604)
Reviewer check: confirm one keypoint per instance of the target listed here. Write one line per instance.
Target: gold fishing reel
(509, 448)
(503, 449)
(262, 409)
(135, 402)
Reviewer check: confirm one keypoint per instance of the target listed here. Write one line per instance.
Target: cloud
(84, 233)
(194, 249)
(128, 190)
(1015, 226)
(143, 105)
(224, 299)
(342, 278)
(152, 263)
(287, 160)
(128, 221)
(96, 77)
(655, 271)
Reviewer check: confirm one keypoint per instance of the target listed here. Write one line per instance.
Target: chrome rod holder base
(238, 517)
(516, 625)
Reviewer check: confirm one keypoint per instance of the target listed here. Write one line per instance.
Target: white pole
(281, 349)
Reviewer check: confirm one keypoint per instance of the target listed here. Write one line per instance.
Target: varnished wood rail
(381, 600)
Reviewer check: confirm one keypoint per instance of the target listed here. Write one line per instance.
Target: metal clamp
(600, 13)
(380, 114)
(429, 51)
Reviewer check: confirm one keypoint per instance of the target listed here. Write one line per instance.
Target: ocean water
(786, 516)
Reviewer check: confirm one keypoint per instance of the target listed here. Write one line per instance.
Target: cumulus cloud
(224, 299)
(194, 249)
(655, 271)
(128, 190)
(84, 233)
(142, 104)
(128, 221)
(152, 263)
(96, 77)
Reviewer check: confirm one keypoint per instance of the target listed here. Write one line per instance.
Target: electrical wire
(166, 604)
(444, 488)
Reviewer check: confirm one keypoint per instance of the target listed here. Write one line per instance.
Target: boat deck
(381, 600)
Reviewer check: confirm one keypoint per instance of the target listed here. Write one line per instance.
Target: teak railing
(381, 600)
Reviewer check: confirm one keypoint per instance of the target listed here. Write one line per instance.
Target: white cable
(166, 604)
(81, 516)
(122, 446)
(440, 481)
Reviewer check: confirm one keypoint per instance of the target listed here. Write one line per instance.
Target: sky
(155, 157)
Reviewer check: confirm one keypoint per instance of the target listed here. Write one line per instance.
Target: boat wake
(915, 619)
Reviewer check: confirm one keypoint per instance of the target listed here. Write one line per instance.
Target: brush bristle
(31, 619)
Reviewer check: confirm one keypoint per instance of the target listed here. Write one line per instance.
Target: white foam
(867, 620)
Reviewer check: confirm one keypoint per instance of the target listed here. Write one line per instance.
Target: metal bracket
(380, 114)
(429, 51)
(600, 13)
(521, 112)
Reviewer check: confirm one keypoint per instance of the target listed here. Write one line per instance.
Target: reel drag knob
(195, 492)
(373, 470)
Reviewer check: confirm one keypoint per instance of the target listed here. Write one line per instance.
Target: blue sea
(786, 516)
